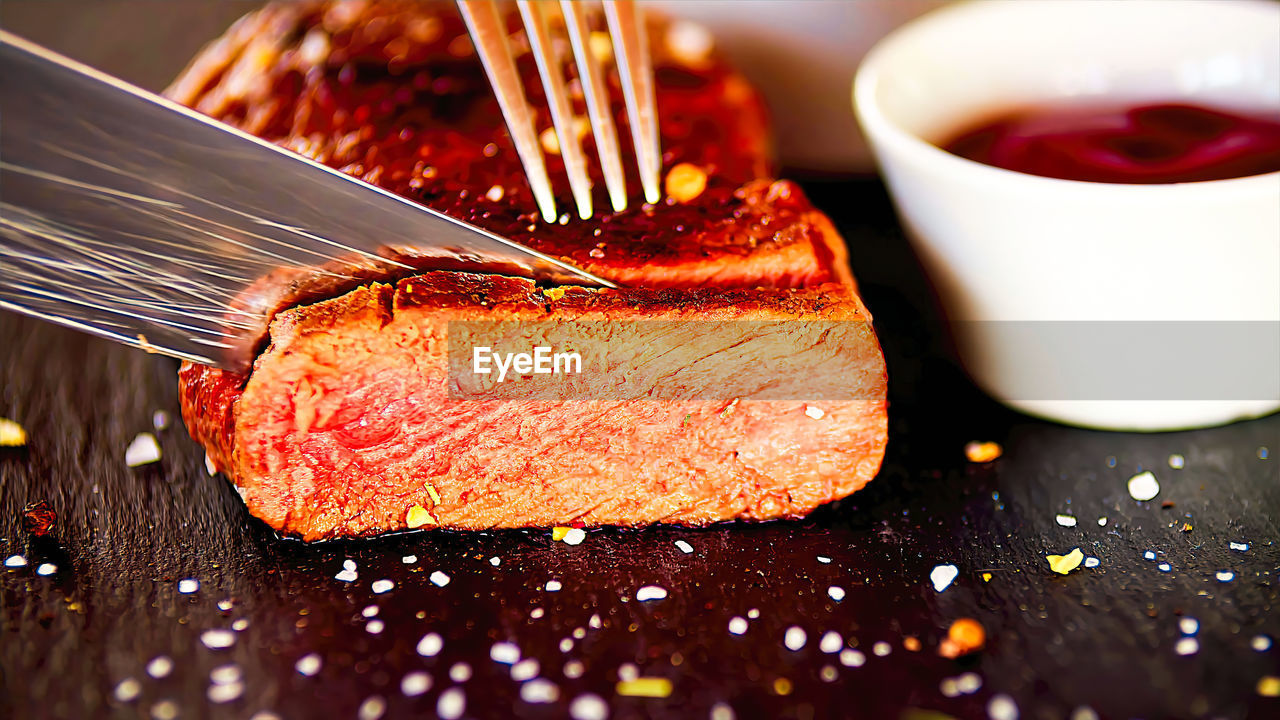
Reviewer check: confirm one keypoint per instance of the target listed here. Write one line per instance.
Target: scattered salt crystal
(409, 559)
(881, 648)
(831, 642)
(349, 564)
(219, 694)
(1177, 462)
(225, 674)
(1165, 567)
(689, 42)
(1144, 486)
(949, 688)
(814, 412)
(430, 644)
(46, 569)
(308, 664)
(685, 547)
(264, 715)
(495, 561)
(579, 633)
(415, 683)
(452, 704)
(160, 419)
(369, 611)
(495, 193)
(574, 669)
(14, 561)
(188, 586)
(575, 536)
(240, 624)
(594, 621)
(1149, 555)
(753, 613)
(164, 710)
(372, 708)
(651, 592)
(1239, 547)
(142, 451)
(346, 576)
(375, 627)
(1084, 712)
(460, 672)
(1261, 643)
(218, 639)
(537, 613)
(382, 586)
(553, 586)
(526, 669)
(722, 711)
(828, 673)
(1066, 520)
(969, 683)
(1002, 707)
(852, 658)
(1225, 576)
(209, 467)
(942, 576)
(160, 666)
(128, 690)
(1186, 646)
(566, 645)
(505, 653)
(835, 593)
(738, 625)
(589, 707)
(795, 638)
(439, 579)
(628, 672)
(824, 559)
(1092, 562)
(1189, 626)
(539, 691)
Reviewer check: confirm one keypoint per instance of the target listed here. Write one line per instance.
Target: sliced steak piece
(352, 422)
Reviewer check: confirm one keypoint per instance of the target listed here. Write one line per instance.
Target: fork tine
(575, 163)
(635, 69)
(591, 74)
(489, 34)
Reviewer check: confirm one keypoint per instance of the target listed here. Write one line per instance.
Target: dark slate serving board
(1104, 638)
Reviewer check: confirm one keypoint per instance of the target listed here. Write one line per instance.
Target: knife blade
(128, 216)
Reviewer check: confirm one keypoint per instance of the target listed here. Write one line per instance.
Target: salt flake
(1144, 486)
(942, 576)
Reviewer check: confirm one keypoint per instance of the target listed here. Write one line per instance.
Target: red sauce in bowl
(1149, 144)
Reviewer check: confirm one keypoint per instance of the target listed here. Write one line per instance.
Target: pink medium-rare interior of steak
(391, 91)
(347, 423)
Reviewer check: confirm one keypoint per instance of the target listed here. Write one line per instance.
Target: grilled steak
(352, 422)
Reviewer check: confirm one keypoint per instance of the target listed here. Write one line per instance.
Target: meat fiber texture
(350, 422)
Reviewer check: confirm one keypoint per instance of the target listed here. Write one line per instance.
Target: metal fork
(488, 30)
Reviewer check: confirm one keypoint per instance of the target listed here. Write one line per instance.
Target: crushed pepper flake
(1063, 564)
(38, 518)
(651, 687)
(1269, 686)
(12, 434)
(986, 577)
(983, 452)
(419, 516)
(965, 636)
(432, 492)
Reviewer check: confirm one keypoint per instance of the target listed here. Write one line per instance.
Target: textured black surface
(1102, 637)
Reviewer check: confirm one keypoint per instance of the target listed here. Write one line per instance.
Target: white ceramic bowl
(1143, 307)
